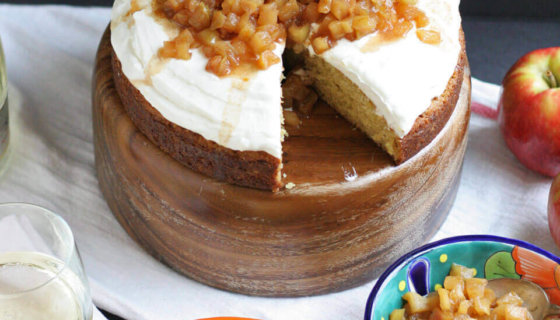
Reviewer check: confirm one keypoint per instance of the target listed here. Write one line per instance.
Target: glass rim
(49, 214)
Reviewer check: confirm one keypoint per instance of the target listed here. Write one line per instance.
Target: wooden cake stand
(351, 212)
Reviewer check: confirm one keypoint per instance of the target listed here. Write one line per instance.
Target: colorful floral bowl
(425, 268)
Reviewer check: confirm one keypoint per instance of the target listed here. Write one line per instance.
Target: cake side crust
(255, 169)
(429, 124)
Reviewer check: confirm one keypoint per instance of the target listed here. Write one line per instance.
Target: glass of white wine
(4, 113)
(41, 272)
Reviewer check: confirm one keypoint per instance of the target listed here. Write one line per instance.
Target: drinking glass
(41, 272)
(4, 114)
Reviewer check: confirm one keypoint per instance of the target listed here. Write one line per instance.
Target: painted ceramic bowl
(425, 268)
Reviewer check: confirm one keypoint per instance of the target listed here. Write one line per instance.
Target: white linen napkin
(50, 52)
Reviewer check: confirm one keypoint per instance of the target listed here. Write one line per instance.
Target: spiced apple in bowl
(431, 272)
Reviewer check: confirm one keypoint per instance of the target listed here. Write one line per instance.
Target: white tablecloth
(50, 53)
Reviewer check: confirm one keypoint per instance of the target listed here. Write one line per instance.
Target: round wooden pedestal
(351, 211)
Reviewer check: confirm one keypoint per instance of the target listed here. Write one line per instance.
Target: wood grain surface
(350, 214)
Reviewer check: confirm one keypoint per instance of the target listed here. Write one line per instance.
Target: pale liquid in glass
(31, 289)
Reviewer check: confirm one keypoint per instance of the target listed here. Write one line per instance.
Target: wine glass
(41, 272)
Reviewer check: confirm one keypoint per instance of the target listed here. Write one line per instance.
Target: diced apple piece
(291, 119)
(260, 42)
(417, 303)
(266, 59)
(225, 49)
(474, 287)
(340, 9)
(306, 105)
(481, 305)
(361, 8)
(515, 313)
(186, 36)
(320, 44)
(464, 307)
(428, 36)
(232, 23)
(401, 28)
(311, 13)
(250, 6)
(208, 36)
(339, 29)
(293, 87)
(363, 25)
(288, 11)
(247, 31)
(168, 50)
(457, 294)
(397, 314)
(171, 5)
(421, 20)
(511, 298)
(324, 6)
(458, 270)
(181, 17)
(182, 48)
(219, 65)
(444, 301)
(218, 20)
(499, 312)
(231, 6)
(201, 18)
(268, 14)
(274, 30)
(298, 34)
(240, 47)
(451, 282)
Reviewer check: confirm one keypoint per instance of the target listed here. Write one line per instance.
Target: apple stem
(551, 79)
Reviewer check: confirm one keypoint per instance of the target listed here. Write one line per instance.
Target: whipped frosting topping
(400, 77)
(241, 112)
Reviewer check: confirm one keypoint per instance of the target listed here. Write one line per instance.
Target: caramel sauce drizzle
(232, 112)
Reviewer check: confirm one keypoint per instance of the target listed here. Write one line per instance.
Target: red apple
(554, 210)
(529, 110)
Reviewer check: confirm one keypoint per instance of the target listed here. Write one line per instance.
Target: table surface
(493, 43)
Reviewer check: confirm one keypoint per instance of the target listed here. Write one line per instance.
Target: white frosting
(402, 77)
(240, 114)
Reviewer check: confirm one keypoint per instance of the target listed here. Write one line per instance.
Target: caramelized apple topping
(297, 92)
(235, 32)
